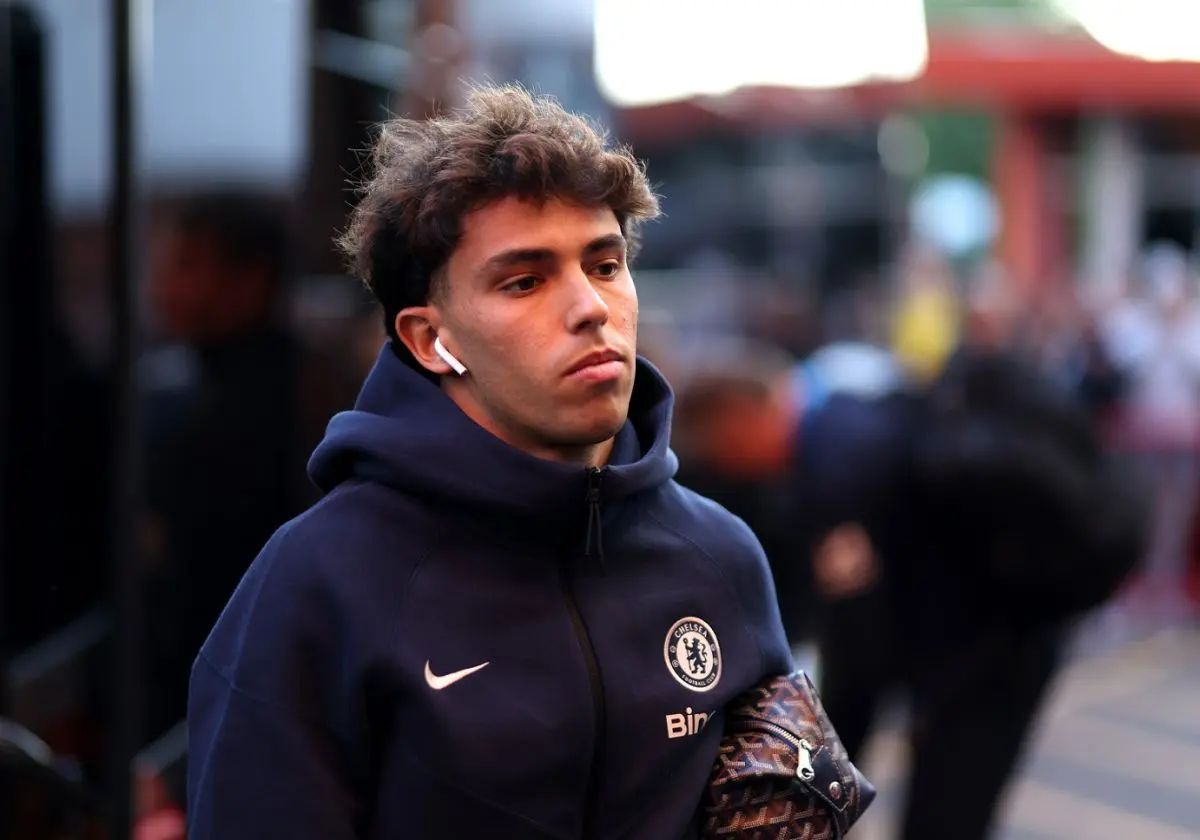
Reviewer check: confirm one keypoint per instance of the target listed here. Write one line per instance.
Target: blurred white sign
(664, 50)
(1153, 30)
(227, 91)
(224, 94)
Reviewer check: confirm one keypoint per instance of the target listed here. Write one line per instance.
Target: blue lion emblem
(697, 655)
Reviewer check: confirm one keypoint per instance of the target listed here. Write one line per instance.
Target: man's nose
(586, 308)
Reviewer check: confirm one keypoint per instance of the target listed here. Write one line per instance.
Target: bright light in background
(650, 51)
(1154, 30)
(957, 214)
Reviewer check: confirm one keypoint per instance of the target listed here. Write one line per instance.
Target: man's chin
(593, 429)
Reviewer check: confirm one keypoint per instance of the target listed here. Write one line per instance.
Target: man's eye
(522, 284)
(609, 268)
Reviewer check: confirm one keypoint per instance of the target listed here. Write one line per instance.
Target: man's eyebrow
(603, 243)
(524, 256)
(518, 256)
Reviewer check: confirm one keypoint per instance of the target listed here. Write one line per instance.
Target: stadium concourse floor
(1114, 756)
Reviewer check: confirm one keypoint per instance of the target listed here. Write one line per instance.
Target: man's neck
(589, 455)
(600, 453)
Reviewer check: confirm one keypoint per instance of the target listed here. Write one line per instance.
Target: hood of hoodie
(404, 432)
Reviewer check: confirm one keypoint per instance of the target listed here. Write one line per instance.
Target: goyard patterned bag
(781, 771)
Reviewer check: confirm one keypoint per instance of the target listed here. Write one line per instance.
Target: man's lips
(597, 367)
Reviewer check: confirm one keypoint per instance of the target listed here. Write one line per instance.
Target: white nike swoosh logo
(438, 683)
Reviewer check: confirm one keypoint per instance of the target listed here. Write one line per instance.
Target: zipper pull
(595, 545)
(595, 474)
(804, 769)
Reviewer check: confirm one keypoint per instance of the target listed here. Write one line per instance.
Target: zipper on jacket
(583, 637)
(594, 545)
(804, 747)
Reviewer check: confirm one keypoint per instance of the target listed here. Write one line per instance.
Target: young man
(504, 618)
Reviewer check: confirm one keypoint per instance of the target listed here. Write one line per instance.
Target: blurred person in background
(745, 420)
(481, 627)
(925, 321)
(944, 536)
(1063, 339)
(817, 456)
(1025, 523)
(220, 417)
(1154, 340)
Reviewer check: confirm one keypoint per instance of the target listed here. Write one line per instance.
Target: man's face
(538, 303)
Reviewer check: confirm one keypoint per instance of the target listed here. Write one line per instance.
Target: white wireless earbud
(448, 357)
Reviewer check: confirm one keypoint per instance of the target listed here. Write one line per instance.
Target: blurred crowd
(948, 482)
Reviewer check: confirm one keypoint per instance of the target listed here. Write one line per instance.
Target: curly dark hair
(426, 175)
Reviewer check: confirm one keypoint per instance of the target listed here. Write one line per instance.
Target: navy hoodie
(461, 639)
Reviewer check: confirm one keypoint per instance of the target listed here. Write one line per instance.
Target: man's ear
(417, 327)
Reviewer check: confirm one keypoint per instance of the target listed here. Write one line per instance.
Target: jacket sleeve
(757, 589)
(257, 769)
(267, 754)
